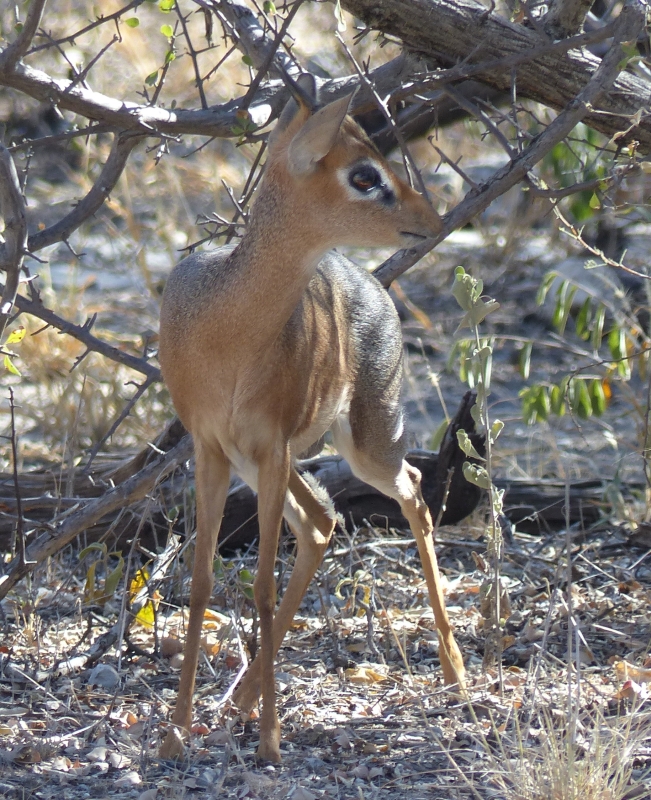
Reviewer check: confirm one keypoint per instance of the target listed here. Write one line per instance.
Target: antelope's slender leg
(414, 508)
(273, 478)
(212, 480)
(379, 462)
(313, 527)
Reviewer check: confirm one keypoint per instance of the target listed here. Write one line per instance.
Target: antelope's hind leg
(369, 443)
(212, 479)
(312, 524)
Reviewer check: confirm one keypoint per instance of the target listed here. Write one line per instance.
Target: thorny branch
(629, 25)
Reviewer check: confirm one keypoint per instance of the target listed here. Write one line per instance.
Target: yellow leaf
(138, 582)
(363, 675)
(146, 616)
(11, 367)
(16, 335)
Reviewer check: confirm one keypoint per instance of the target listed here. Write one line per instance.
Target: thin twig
(12, 208)
(268, 60)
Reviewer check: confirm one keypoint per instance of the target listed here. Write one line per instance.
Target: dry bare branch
(451, 32)
(630, 23)
(64, 529)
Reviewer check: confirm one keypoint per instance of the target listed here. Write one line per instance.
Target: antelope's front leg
(273, 477)
(212, 479)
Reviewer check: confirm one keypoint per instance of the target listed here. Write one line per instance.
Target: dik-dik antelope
(267, 345)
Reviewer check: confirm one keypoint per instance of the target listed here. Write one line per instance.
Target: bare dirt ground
(362, 708)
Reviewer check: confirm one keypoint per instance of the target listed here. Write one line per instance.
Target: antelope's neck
(270, 269)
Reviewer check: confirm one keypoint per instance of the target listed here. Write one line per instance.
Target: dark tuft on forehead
(356, 131)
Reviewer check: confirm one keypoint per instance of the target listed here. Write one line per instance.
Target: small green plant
(476, 355)
(96, 592)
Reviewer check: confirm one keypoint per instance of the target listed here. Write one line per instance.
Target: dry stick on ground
(629, 24)
(64, 530)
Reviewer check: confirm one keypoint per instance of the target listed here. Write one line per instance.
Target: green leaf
(151, 79)
(473, 473)
(542, 404)
(170, 56)
(545, 286)
(132, 22)
(437, 436)
(247, 60)
(579, 398)
(564, 298)
(113, 579)
(595, 203)
(94, 547)
(11, 367)
(597, 397)
(166, 5)
(617, 343)
(583, 318)
(557, 400)
(525, 360)
(269, 7)
(467, 446)
(598, 327)
(167, 31)
(496, 428)
(466, 290)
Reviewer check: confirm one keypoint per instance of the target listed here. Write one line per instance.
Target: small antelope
(267, 345)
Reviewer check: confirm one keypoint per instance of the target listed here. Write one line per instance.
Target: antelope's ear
(304, 98)
(317, 136)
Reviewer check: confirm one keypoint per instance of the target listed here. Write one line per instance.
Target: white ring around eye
(386, 181)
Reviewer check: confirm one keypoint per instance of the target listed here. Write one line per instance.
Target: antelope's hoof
(173, 748)
(269, 750)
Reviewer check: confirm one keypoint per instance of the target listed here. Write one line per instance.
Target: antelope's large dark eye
(365, 178)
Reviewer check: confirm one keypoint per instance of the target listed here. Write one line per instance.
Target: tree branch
(630, 22)
(64, 530)
(448, 32)
(12, 208)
